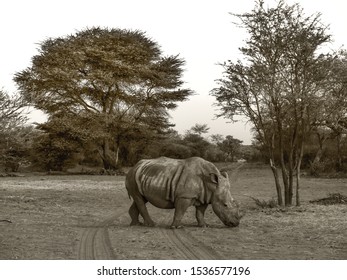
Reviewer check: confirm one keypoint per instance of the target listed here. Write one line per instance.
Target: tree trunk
(107, 156)
(290, 185)
(298, 170)
(297, 193)
(339, 155)
(117, 155)
(277, 183)
(271, 147)
(319, 154)
(291, 174)
(287, 197)
(316, 159)
(285, 178)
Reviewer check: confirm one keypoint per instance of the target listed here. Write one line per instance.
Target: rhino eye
(225, 204)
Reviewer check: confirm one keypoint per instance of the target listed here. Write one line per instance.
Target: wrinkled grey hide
(169, 183)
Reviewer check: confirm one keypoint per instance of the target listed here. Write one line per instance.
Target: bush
(318, 168)
(272, 203)
(333, 198)
(174, 150)
(12, 164)
(214, 154)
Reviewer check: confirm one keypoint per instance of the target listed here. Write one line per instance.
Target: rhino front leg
(181, 205)
(200, 212)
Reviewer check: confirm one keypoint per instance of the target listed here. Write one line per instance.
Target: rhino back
(167, 179)
(159, 177)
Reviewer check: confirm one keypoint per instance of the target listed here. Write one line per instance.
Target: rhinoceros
(179, 183)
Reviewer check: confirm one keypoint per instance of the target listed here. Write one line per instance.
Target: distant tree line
(54, 147)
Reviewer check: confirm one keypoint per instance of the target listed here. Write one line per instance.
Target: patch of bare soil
(308, 232)
(312, 233)
(50, 213)
(85, 217)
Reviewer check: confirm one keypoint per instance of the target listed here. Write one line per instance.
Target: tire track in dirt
(95, 242)
(188, 247)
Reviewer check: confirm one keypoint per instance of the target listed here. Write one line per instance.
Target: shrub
(272, 203)
(333, 198)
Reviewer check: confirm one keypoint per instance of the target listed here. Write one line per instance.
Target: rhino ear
(224, 174)
(214, 178)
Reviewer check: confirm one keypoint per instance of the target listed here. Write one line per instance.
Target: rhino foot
(174, 227)
(149, 224)
(136, 223)
(204, 225)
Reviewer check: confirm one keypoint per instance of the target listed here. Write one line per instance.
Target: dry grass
(48, 214)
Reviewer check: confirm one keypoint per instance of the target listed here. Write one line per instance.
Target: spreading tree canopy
(279, 85)
(115, 80)
(11, 111)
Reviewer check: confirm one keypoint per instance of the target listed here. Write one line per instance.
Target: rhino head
(223, 204)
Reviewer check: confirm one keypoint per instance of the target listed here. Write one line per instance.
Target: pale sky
(201, 32)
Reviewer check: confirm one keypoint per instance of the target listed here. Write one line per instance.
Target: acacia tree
(114, 79)
(12, 120)
(195, 141)
(199, 129)
(230, 146)
(278, 85)
(11, 111)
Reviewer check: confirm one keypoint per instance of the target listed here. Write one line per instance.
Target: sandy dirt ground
(85, 217)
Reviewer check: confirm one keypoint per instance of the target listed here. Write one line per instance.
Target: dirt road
(95, 242)
(85, 217)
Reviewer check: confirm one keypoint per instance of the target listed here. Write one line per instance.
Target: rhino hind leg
(200, 212)
(134, 215)
(141, 208)
(181, 206)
